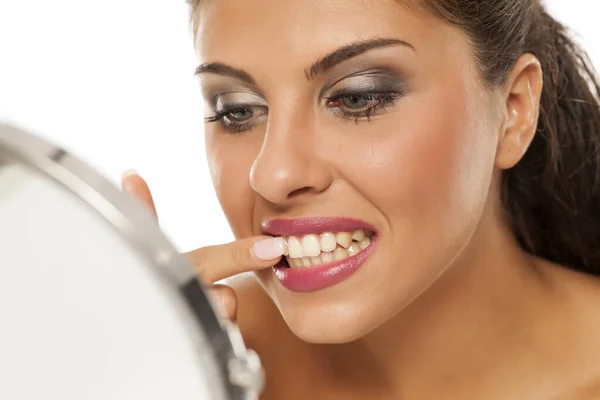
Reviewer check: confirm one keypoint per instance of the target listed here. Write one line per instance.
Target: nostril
(300, 191)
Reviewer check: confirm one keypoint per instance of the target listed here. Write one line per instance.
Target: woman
(430, 172)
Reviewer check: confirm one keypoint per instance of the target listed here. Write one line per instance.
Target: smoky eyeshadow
(228, 98)
(369, 81)
(373, 80)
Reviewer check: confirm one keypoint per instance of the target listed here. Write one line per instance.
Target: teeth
(294, 262)
(326, 257)
(313, 250)
(358, 235)
(353, 249)
(327, 241)
(294, 247)
(285, 248)
(340, 254)
(310, 246)
(344, 239)
(364, 243)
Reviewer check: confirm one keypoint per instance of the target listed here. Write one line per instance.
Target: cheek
(432, 164)
(229, 163)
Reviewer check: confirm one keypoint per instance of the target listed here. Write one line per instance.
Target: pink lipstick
(309, 279)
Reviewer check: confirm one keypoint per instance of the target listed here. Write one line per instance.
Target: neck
(465, 325)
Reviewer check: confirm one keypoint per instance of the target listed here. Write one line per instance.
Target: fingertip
(268, 249)
(226, 301)
(229, 305)
(130, 172)
(127, 178)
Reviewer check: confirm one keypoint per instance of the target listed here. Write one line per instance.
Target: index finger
(137, 186)
(218, 262)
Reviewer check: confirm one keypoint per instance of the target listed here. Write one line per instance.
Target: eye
(241, 114)
(236, 119)
(361, 105)
(355, 101)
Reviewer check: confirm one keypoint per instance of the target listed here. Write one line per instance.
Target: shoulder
(575, 289)
(576, 306)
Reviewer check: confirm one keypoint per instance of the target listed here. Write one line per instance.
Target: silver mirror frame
(238, 366)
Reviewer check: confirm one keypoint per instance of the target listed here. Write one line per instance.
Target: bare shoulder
(285, 358)
(577, 299)
(578, 289)
(577, 307)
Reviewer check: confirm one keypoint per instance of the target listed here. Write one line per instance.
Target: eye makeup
(361, 95)
(371, 80)
(364, 94)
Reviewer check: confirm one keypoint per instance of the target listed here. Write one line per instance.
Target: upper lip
(305, 226)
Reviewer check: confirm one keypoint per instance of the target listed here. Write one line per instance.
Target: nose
(289, 168)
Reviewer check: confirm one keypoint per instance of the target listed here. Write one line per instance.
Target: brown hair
(552, 196)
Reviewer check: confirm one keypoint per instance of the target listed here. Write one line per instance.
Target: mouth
(318, 249)
(320, 252)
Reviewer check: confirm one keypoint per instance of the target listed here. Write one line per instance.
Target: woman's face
(396, 132)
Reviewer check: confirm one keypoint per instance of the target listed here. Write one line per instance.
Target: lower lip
(311, 279)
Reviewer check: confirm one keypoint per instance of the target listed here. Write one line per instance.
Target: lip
(305, 226)
(311, 279)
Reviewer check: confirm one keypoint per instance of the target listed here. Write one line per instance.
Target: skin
(448, 306)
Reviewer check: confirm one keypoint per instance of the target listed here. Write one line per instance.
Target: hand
(214, 263)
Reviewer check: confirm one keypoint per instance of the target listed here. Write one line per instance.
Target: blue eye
(241, 114)
(355, 102)
(239, 118)
(361, 105)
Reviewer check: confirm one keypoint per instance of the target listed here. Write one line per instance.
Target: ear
(523, 91)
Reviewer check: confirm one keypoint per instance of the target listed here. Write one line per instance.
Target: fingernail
(268, 249)
(128, 173)
(124, 184)
(218, 303)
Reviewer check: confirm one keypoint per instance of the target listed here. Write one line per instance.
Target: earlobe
(523, 93)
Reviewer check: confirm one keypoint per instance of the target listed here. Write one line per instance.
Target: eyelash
(233, 127)
(382, 99)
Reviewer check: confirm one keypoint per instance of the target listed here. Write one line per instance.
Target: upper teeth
(312, 245)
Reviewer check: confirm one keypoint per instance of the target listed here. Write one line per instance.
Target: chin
(330, 332)
(330, 324)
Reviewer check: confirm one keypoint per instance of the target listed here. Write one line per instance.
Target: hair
(552, 196)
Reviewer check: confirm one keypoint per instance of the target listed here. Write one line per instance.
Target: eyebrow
(350, 51)
(225, 70)
(319, 67)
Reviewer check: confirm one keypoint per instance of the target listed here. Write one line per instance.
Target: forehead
(282, 33)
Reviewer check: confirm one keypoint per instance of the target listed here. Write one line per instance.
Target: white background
(112, 81)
